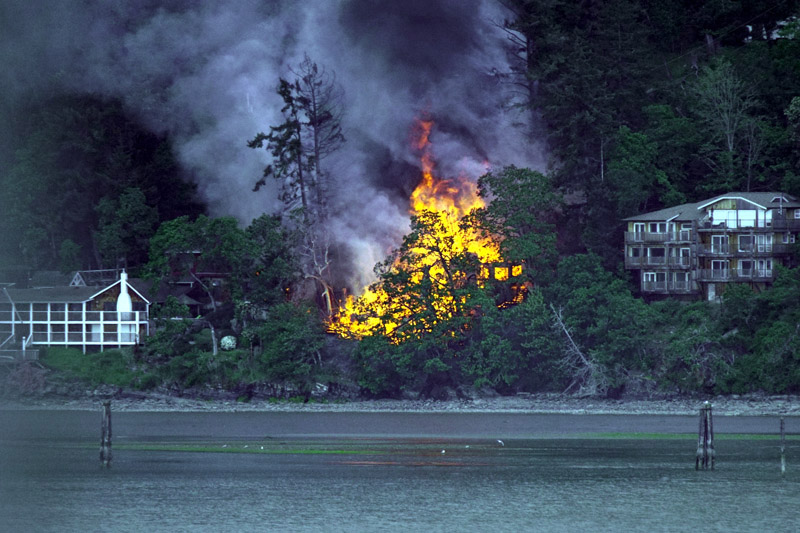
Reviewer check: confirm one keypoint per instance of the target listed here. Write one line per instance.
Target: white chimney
(124, 304)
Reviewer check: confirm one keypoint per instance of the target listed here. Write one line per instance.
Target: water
(394, 484)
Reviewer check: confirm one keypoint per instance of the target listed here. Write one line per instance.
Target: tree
(418, 316)
(638, 183)
(125, 225)
(321, 100)
(289, 342)
(602, 323)
(513, 348)
(77, 157)
(520, 214)
(312, 130)
(182, 247)
(724, 104)
(285, 144)
(269, 269)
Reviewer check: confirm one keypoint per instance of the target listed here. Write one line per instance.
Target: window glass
(747, 218)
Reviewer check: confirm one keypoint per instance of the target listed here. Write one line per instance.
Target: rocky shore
(746, 405)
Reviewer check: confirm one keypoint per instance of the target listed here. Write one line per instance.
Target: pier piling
(105, 434)
(783, 447)
(706, 456)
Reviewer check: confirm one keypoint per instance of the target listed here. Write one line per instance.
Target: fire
(442, 203)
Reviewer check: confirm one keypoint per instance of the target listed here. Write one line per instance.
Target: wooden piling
(783, 447)
(105, 434)
(712, 453)
(706, 455)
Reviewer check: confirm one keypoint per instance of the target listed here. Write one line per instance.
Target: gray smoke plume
(205, 72)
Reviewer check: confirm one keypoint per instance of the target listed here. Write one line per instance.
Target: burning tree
(435, 312)
(429, 278)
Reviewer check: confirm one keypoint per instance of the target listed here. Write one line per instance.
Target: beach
(735, 405)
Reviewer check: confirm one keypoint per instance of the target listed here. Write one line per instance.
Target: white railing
(667, 286)
(42, 317)
(736, 274)
(90, 337)
(651, 236)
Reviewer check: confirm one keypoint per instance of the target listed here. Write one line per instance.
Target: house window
(745, 269)
(788, 238)
(797, 213)
(764, 268)
(658, 227)
(655, 281)
(724, 217)
(681, 281)
(747, 218)
(685, 256)
(686, 231)
(657, 256)
(719, 244)
(719, 269)
(638, 230)
(746, 243)
(764, 243)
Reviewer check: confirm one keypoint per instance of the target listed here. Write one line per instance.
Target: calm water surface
(396, 484)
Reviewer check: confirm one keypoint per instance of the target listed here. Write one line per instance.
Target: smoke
(205, 72)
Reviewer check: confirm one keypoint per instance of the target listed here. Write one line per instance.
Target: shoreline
(750, 405)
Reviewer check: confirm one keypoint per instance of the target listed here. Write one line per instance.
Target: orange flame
(450, 200)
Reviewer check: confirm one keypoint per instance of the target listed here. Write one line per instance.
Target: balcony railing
(786, 224)
(681, 287)
(637, 262)
(776, 224)
(714, 249)
(736, 274)
(744, 250)
(651, 237)
(107, 337)
(41, 317)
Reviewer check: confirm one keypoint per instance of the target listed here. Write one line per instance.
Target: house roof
(53, 294)
(694, 211)
(63, 294)
(682, 212)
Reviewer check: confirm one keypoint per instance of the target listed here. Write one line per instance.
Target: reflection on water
(398, 485)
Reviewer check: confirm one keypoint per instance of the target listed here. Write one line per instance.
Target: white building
(88, 318)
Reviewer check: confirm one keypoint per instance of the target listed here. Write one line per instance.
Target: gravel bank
(755, 405)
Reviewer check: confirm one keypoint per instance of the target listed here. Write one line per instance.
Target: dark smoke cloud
(205, 72)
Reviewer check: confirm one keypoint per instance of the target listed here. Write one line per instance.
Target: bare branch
(587, 375)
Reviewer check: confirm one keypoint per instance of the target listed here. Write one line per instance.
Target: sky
(206, 74)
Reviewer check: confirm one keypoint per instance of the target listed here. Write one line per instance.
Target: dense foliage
(87, 187)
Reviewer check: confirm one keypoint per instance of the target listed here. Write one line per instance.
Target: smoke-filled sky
(206, 73)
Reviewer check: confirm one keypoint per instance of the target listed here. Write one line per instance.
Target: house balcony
(668, 287)
(667, 262)
(736, 274)
(736, 227)
(641, 237)
(786, 224)
(713, 250)
(746, 250)
(102, 328)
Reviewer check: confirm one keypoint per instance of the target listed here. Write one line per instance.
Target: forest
(643, 105)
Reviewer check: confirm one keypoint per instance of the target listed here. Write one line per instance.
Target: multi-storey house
(696, 250)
